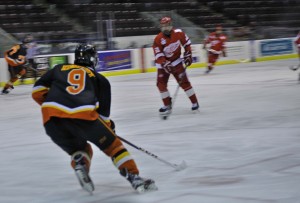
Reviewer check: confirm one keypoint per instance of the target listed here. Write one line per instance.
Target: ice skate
(7, 90)
(82, 174)
(207, 71)
(195, 107)
(165, 111)
(138, 183)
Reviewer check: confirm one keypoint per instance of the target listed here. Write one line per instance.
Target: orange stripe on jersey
(39, 95)
(10, 61)
(49, 112)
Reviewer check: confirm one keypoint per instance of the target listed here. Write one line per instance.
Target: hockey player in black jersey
(75, 102)
(16, 59)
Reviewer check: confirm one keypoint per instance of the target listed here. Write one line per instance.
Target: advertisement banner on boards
(55, 60)
(44, 63)
(276, 47)
(48, 62)
(114, 60)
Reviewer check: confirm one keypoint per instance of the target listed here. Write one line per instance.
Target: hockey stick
(242, 60)
(177, 167)
(220, 52)
(214, 51)
(30, 67)
(175, 95)
(165, 116)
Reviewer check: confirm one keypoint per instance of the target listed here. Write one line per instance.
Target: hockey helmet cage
(166, 25)
(219, 29)
(86, 55)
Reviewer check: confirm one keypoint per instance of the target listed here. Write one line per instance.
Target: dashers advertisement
(114, 60)
(276, 47)
(55, 60)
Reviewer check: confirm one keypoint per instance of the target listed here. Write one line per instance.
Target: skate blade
(85, 181)
(196, 111)
(165, 115)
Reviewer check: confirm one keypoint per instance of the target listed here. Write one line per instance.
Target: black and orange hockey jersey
(16, 55)
(73, 91)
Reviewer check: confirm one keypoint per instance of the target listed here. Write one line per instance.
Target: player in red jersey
(297, 43)
(167, 51)
(75, 102)
(217, 47)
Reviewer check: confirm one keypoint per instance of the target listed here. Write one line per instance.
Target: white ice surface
(243, 145)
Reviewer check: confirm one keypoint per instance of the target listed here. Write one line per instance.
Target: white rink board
(236, 51)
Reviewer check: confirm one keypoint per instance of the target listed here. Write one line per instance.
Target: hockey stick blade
(175, 166)
(243, 60)
(181, 166)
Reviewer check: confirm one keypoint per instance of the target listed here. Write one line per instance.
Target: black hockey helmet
(86, 55)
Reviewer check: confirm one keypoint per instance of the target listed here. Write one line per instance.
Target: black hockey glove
(187, 56)
(112, 125)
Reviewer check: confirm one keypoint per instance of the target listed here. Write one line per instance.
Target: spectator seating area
(20, 17)
(263, 13)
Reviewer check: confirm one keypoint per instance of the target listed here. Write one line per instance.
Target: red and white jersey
(169, 47)
(217, 42)
(297, 41)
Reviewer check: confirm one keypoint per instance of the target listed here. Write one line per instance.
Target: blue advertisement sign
(276, 47)
(114, 60)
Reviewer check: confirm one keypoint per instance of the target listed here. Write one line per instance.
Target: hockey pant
(181, 77)
(15, 73)
(212, 59)
(72, 135)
